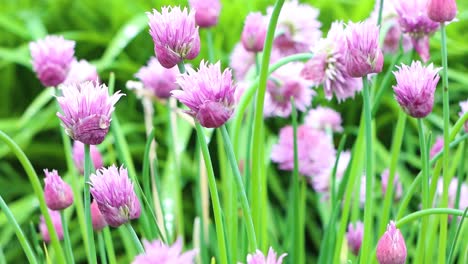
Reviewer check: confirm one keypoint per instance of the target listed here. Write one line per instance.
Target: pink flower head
(452, 193)
(328, 66)
(396, 183)
(364, 55)
(87, 110)
(315, 151)
(442, 10)
(78, 156)
(208, 92)
(415, 88)
(113, 192)
(57, 223)
(391, 248)
(259, 258)
(437, 147)
(158, 252)
(160, 80)
(58, 194)
(81, 71)
(284, 84)
(254, 33)
(206, 12)
(97, 219)
(323, 118)
(51, 59)
(241, 61)
(354, 236)
(321, 182)
(174, 34)
(298, 28)
(464, 109)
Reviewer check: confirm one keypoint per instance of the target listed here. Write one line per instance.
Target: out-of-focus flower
(58, 194)
(158, 252)
(51, 59)
(464, 109)
(321, 183)
(316, 153)
(97, 219)
(442, 10)
(398, 189)
(206, 12)
(113, 192)
(323, 118)
(298, 28)
(254, 32)
(328, 66)
(452, 193)
(259, 258)
(158, 79)
(208, 92)
(78, 156)
(81, 71)
(415, 88)
(174, 34)
(241, 61)
(284, 84)
(57, 223)
(437, 147)
(391, 248)
(364, 55)
(87, 110)
(354, 236)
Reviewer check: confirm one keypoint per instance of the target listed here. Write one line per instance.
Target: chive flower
(354, 236)
(58, 194)
(56, 222)
(271, 258)
(391, 248)
(206, 12)
(158, 252)
(158, 79)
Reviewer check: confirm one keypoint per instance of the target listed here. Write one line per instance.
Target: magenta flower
(57, 223)
(158, 252)
(364, 55)
(464, 109)
(208, 93)
(206, 12)
(442, 10)
(324, 118)
(97, 219)
(87, 110)
(81, 71)
(321, 182)
(437, 147)
(113, 192)
(315, 151)
(58, 194)
(259, 258)
(354, 236)
(415, 88)
(158, 79)
(241, 61)
(398, 189)
(174, 34)
(391, 248)
(51, 59)
(328, 66)
(285, 83)
(78, 156)
(254, 33)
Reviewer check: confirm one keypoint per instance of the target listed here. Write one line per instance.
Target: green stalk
(136, 240)
(209, 44)
(109, 245)
(296, 223)
(379, 18)
(102, 250)
(454, 243)
(368, 207)
(87, 205)
(19, 233)
(425, 189)
(36, 184)
(66, 238)
(425, 212)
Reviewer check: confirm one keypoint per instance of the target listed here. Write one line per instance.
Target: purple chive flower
(87, 110)
(174, 34)
(398, 189)
(364, 55)
(208, 92)
(97, 219)
(51, 59)
(254, 32)
(328, 66)
(284, 84)
(113, 192)
(354, 236)
(206, 12)
(413, 19)
(415, 88)
(58, 194)
(442, 10)
(57, 223)
(315, 151)
(78, 156)
(464, 109)
(437, 147)
(452, 194)
(259, 258)
(158, 252)
(241, 61)
(391, 248)
(158, 79)
(321, 182)
(323, 118)
(81, 71)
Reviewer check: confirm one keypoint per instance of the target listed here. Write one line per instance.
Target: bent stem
(66, 238)
(87, 205)
(425, 212)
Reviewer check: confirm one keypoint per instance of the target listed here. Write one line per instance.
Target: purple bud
(97, 219)
(354, 236)
(442, 10)
(78, 156)
(206, 12)
(56, 222)
(58, 194)
(254, 33)
(391, 248)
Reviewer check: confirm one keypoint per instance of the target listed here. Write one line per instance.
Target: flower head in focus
(78, 156)
(81, 71)
(206, 12)
(158, 252)
(58, 194)
(254, 32)
(57, 223)
(324, 118)
(391, 248)
(160, 80)
(259, 258)
(354, 236)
